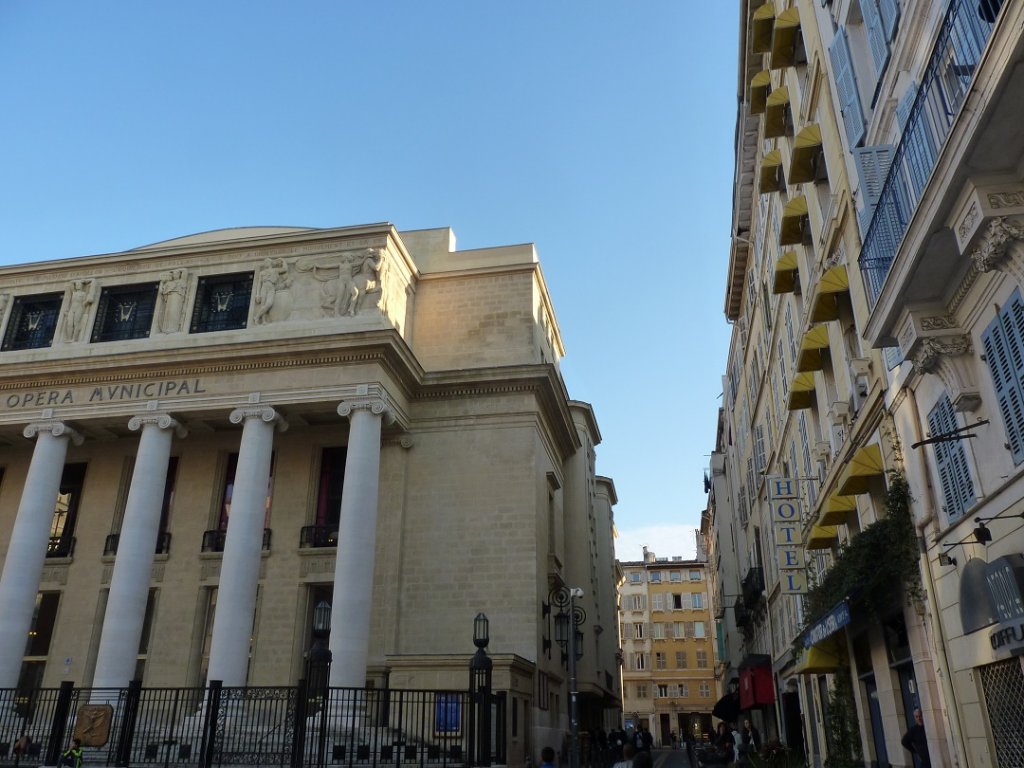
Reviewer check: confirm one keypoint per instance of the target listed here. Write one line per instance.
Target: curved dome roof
(229, 233)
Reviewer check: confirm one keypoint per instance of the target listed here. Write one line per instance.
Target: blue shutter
(905, 105)
(872, 169)
(877, 41)
(846, 88)
(1003, 354)
(890, 10)
(951, 460)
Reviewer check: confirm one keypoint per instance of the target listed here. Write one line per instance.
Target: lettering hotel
(203, 439)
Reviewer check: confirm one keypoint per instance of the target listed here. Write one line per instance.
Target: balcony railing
(213, 541)
(753, 586)
(944, 86)
(163, 544)
(318, 536)
(743, 615)
(60, 546)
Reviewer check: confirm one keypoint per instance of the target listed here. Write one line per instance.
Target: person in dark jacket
(916, 742)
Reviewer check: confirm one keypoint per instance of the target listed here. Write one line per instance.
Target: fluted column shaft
(243, 547)
(136, 548)
(23, 565)
(357, 542)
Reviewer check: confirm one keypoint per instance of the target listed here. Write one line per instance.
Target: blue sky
(600, 130)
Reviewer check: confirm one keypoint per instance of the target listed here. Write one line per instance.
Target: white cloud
(662, 540)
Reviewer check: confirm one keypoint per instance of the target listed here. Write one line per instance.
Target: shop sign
(828, 625)
(1008, 638)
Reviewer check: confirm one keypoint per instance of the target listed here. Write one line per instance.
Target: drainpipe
(945, 674)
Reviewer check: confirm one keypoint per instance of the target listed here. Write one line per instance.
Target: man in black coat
(916, 742)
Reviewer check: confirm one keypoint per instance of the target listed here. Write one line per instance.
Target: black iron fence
(219, 726)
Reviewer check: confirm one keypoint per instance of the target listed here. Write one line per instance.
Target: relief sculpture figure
(172, 289)
(273, 278)
(78, 306)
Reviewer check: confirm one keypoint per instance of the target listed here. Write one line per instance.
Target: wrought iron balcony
(163, 544)
(213, 541)
(944, 87)
(743, 614)
(318, 536)
(61, 546)
(753, 586)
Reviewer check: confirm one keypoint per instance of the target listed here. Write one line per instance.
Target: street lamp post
(568, 620)
(480, 672)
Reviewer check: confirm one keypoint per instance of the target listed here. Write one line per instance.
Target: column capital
(371, 397)
(162, 420)
(262, 412)
(55, 428)
(1001, 233)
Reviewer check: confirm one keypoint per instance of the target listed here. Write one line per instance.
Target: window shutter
(1007, 383)
(872, 168)
(877, 40)
(905, 105)
(890, 10)
(846, 87)
(951, 460)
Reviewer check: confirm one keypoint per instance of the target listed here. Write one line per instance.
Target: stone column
(23, 566)
(357, 541)
(129, 585)
(243, 546)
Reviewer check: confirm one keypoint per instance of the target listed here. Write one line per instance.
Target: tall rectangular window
(702, 659)
(40, 635)
(65, 512)
(1004, 354)
(680, 659)
(698, 601)
(332, 481)
(951, 460)
(659, 660)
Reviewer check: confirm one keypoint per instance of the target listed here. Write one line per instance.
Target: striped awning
(776, 118)
(761, 26)
(786, 273)
(864, 466)
(794, 221)
(784, 38)
(770, 178)
(813, 348)
(833, 283)
(801, 391)
(821, 537)
(760, 84)
(836, 508)
(806, 159)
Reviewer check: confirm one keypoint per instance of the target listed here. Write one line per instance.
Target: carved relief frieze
(1009, 199)
(316, 565)
(55, 574)
(937, 323)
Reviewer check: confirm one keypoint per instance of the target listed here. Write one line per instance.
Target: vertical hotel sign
(784, 503)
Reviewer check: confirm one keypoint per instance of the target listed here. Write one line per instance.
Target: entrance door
(664, 728)
(877, 733)
(908, 690)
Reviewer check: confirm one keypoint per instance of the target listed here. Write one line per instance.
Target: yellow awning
(805, 160)
(823, 658)
(813, 348)
(821, 537)
(786, 271)
(801, 391)
(761, 28)
(770, 178)
(775, 107)
(862, 467)
(759, 87)
(784, 38)
(794, 220)
(825, 305)
(836, 508)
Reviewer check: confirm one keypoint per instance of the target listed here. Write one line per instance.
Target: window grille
(125, 312)
(1003, 683)
(33, 322)
(222, 303)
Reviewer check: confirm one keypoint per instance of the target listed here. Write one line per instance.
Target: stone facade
(276, 372)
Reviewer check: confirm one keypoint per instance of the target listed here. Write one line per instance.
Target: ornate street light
(568, 620)
(480, 671)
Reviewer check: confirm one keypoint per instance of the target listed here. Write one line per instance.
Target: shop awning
(821, 659)
(794, 221)
(825, 305)
(836, 508)
(806, 158)
(821, 537)
(801, 391)
(776, 106)
(786, 273)
(784, 38)
(813, 348)
(760, 84)
(770, 178)
(761, 28)
(864, 466)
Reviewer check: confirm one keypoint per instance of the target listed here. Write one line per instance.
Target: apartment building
(873, 406)
(669, 685)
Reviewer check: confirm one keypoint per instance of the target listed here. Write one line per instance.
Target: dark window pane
(43, 620)
(125, 312)
(222, 303)
(33, 321)
(332, 478)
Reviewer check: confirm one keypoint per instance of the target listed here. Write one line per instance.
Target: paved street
(670, 758)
